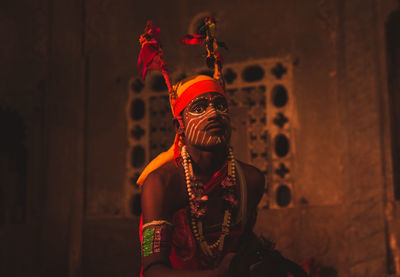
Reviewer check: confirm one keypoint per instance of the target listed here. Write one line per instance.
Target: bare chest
(216, 206)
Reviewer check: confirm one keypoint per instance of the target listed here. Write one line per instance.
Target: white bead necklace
(197, 202)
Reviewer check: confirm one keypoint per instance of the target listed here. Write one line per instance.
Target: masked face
(206, 121)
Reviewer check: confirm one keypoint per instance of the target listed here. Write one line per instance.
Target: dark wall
(24, 71)
(66, 68)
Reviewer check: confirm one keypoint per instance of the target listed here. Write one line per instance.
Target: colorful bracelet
(156, 237)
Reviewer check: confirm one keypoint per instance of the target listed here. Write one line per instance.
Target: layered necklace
(198, 202)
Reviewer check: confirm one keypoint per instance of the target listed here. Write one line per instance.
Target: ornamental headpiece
(151, 57)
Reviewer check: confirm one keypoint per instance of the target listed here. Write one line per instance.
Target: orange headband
(185, 92)
(193, 91)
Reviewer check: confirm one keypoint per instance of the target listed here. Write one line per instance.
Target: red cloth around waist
(186, 253)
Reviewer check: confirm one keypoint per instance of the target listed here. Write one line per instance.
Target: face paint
(207, 121)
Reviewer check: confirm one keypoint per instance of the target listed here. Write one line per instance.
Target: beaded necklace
(198, 202)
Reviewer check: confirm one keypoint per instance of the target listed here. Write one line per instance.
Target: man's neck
(206, 163)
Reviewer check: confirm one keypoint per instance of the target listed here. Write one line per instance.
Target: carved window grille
(261, 102)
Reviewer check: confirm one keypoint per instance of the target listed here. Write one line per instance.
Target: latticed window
(262, 109)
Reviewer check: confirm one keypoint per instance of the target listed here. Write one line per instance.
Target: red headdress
(185, 91)
(151, 57)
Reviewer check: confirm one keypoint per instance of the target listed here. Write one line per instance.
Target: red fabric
(216, 179)
(193, 91)
(150, 58)
(177, 153)
(153, 31)
(141, 241)
(219, 58)
(185, 253)
(192, 39)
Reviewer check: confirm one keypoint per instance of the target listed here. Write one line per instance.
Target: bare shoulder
(255, 181)
(158, 193)
(254, 177)
(160, 177)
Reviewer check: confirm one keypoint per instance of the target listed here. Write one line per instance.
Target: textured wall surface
(24, 59)
(68, 67)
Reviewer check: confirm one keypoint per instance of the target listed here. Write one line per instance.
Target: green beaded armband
(148, 236)
(156, 237)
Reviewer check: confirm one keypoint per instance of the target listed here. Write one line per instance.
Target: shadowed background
(69, 127)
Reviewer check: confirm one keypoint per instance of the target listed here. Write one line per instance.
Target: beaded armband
(156, 237)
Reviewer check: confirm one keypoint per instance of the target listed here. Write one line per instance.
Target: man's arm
(255, 189)
(157, 207)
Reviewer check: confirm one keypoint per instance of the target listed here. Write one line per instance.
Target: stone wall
(68, 67)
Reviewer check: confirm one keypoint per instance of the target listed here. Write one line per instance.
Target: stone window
(262, 109)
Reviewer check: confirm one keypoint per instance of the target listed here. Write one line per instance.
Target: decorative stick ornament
(151, 56)
(206, 37)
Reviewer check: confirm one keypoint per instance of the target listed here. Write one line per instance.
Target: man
(199, 204)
